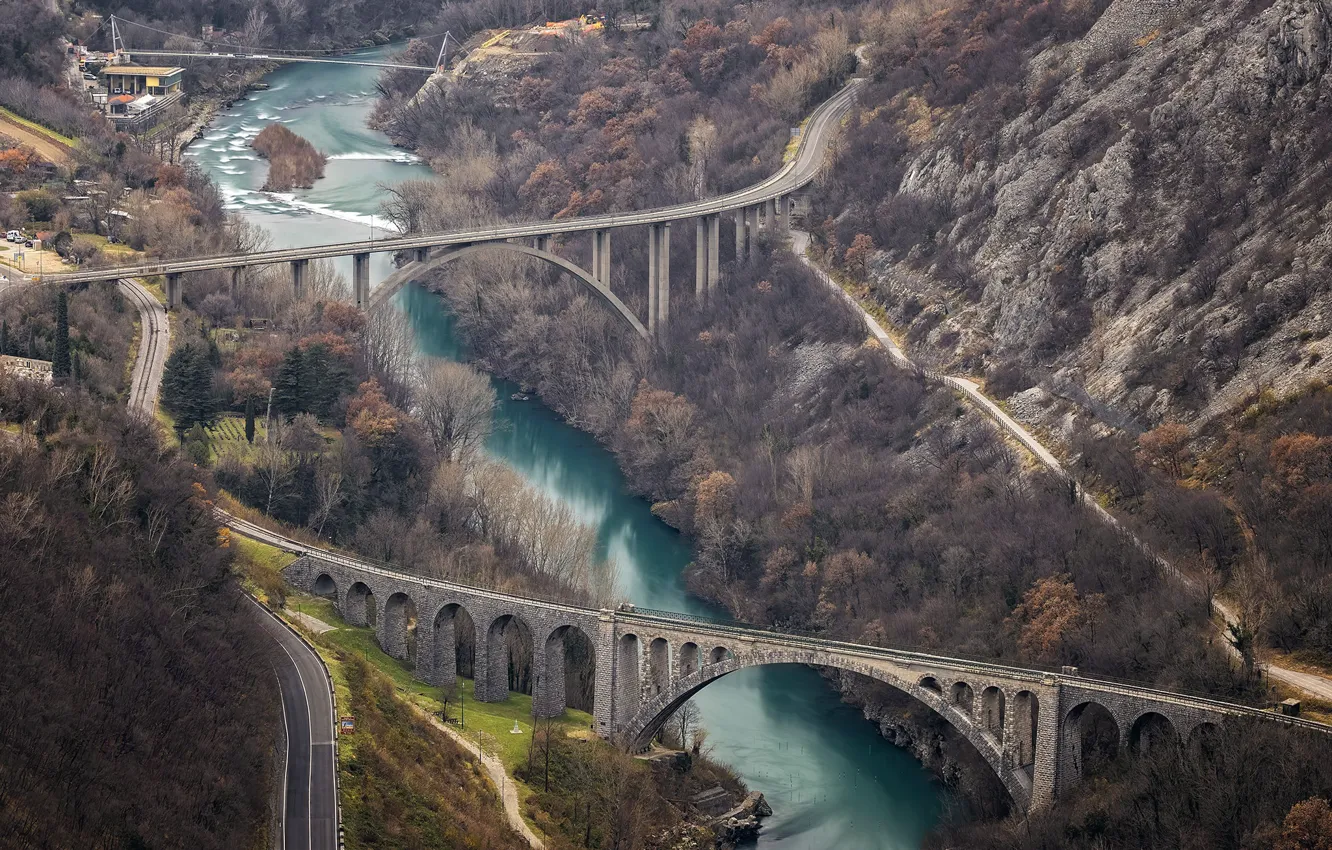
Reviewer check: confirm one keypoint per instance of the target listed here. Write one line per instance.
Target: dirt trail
(1315, 685)
(46, 147)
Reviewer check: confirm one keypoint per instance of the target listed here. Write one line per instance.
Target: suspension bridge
(213, 50)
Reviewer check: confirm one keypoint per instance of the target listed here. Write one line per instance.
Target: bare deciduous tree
(456, 404)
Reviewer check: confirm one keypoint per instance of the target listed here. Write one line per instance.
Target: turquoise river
(832, 781)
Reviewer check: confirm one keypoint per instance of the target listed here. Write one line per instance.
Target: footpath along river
(833, 782)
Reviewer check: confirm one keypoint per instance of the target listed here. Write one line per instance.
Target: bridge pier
(236, 281)
(361, 280)
(739, 216)
(548, 697)
(752, 229)
(771, 213)
(298, 270)
(659, 277)
(707, 235)
(541, 243)
(421, 255)
(601, 256)
(173, 290)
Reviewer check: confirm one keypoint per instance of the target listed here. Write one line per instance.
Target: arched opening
(390, 285)
(455, 645)
(962, 698)
(688, 658)
(1204, 740)
(931, 684)
(992, 712)
(628, 661)
(398, 637)
(569, 678)
(508, 657)
(1152, 733)
(1092, 736)
(659, 666)
(326, 587)
(361, 609)
(1026, 720)
(645, 723)
(718, 655)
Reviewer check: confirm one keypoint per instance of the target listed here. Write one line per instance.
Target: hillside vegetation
(140, 708)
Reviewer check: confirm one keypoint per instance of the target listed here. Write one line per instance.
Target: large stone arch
(452, 641)
(397, 629)
(550, 696)
(359, 606)
(638, 731)
(497, 661)
(391, 284)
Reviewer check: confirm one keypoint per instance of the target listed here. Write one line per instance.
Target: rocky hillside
(1127, 203)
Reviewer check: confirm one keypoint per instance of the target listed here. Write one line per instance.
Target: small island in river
(293, 163)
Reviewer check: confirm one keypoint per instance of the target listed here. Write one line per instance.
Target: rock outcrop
(1150, 235)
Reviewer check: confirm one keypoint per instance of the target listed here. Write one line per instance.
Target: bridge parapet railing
(980, 664)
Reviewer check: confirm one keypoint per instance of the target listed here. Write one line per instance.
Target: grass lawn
(118, 250)
(38, 128)
(494, 720)
(260, 566)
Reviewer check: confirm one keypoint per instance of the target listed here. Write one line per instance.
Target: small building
(136, 80)
(27, 368)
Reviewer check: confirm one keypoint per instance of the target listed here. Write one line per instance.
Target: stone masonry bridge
(1036, 729)
(767, 205)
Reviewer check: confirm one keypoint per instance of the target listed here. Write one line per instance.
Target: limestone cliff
(1139, 219)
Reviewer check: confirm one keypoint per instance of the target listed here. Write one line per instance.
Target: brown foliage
(293, 163)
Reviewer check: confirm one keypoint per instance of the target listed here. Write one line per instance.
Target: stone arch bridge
(1032, 727)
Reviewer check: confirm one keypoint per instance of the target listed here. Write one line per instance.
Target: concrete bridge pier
(361, 280)
(601, 256)
(173, 290)
(770, 213)
(541, 243)
(707, 235)
(740, 243)
(298, 270)
(752, 220)
(236, 282)
(421, 255)
(548, 697)
(659, 277)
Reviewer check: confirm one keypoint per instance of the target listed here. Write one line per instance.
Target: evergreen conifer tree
(60, 361)
(249, 420)
(187, 387)
(4, 336)
(289, 396)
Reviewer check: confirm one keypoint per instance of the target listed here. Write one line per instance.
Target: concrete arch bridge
(765, 206)
(1038, 731)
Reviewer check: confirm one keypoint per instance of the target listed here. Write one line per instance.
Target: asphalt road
(819, 129)
(310, 796)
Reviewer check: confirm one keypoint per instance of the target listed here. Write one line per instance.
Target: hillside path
(1313, 684)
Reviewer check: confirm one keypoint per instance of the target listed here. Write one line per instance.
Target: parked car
(27, 243)
(92, 78)
(14, 236)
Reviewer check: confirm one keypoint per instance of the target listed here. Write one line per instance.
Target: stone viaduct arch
(1039, 731)
(637, 730)
(601, 289)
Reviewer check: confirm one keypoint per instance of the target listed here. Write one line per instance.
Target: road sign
(346, 725)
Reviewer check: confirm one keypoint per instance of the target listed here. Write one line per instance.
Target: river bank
(830, 778)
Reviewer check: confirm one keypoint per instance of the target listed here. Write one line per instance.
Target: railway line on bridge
(1029, 745)
(1025, 722)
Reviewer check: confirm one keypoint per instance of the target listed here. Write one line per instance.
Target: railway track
(153, 341)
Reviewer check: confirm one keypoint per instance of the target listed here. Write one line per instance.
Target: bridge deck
(733, 631)
(795, 174)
